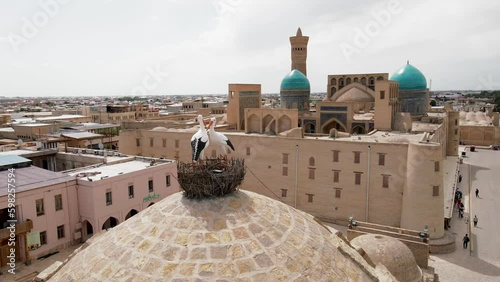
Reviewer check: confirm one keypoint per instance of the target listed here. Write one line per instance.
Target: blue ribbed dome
(410, 78)
(295, 80)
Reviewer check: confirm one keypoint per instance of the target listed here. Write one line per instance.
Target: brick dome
(242, 236)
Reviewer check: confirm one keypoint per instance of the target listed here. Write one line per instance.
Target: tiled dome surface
(240, 237)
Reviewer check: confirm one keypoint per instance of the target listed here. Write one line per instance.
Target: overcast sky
(126, 47)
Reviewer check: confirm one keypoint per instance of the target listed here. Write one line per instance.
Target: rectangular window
(436, 166)
(382, 95)
(337, 192)
(109, 198)
(164, 142)
(60, 231)
(248, 151)
(150, 185)
(285, 171)
(39, 207)
(176, 144)
(381, 159)
(456, 131)
(43, 238)
(311, 173)
(283, 193)
(151, 142)
(456, 121)
(336, 156)
(137, 142)
(167, 180)
(285, 158)
(435, 191)
(357, 178)
(356, 157)
(130, 191)
(336, 176)
(58, 201)
(310, 198)
(385, 181)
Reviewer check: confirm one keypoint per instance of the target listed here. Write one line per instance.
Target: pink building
(109, 195)
(55, 210)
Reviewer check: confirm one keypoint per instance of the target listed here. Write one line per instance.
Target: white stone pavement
(482, 261)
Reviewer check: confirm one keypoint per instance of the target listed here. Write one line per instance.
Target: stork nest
(211, 177)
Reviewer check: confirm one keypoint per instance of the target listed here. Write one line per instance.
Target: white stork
(218, 138)
(200, 140)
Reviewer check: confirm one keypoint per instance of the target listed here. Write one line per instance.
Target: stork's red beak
(209, 125)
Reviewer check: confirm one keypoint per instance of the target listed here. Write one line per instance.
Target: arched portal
(131, 213)
(358, 130)
(284, 124)
(253, 124)
(333, 124)
(269, 124)
(309, 128)
(110, 223)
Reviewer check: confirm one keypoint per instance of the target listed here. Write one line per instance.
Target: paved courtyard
(480, 262)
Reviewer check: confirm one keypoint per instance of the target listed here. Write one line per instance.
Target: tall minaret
(299, 51)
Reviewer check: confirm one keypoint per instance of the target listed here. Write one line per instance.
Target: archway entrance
(309, 128)
(110, 223)
(131, 213)
(333, 124)
(358, 130)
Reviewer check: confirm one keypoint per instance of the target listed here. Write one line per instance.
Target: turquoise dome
(295, 80)
(410, 78)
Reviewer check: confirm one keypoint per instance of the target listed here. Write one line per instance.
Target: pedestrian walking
(461, 213)
(475, 221)
(466, 241)
(477, 193)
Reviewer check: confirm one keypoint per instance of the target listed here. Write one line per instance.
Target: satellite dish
(19, 141)
(101, 146)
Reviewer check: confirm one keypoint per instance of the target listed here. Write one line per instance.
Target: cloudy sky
(135, 47)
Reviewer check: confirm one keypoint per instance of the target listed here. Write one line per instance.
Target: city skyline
(130, 48)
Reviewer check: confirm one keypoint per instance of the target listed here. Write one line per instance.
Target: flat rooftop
(32, 177)
(32, 124)
(60, 117)
(107, 171)
(91, 126)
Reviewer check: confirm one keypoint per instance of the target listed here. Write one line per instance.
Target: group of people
(458, 202)
(460, 205)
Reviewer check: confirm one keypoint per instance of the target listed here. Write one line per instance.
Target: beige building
(387, 178)
(117, 114)
(241, 97)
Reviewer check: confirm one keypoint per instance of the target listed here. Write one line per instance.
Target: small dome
(391, 253)
(295, 80)
(355, 95)
(410, 78)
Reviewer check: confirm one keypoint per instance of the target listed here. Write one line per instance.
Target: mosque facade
(358, 154)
